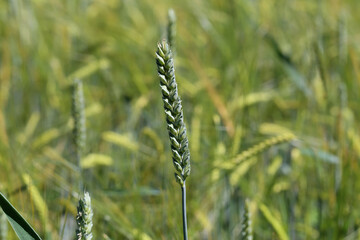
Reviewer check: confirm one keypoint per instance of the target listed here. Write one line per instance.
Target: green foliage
(275, 223)
(21, 227)
(3, 225)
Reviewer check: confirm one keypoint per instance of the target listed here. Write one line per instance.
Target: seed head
(246, 230)
(78, 112)
(173, 113)
(84, 218)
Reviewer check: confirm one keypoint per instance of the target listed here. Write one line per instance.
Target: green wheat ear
(84, 218)
(78, 112)
(171, 29)
(175, 122)
(173, 112)
(246, 230)
(79, 131)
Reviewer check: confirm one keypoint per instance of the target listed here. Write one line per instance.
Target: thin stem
(81, 174)
(183, 191)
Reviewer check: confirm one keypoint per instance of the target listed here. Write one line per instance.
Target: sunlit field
(270, 92)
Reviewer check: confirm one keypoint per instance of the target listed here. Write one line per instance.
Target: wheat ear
(84, 218)
(246, 230)
(174, 119)
(78, 113)
(254, 150)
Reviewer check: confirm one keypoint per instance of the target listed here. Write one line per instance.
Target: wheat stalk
(84, 218)
(174, 119)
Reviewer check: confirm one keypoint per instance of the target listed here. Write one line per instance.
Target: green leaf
(320, 154)
(275, 223)
(21, 227)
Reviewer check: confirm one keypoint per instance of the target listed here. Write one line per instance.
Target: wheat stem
(183, 198)
(174, 113)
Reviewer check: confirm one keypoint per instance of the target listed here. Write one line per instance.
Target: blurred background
(270, 92)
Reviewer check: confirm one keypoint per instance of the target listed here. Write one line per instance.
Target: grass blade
(21, 227)
(275, 223)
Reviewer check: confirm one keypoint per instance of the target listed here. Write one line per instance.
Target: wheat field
(270, 98)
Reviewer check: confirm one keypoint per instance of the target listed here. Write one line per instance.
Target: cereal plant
(175, 122)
